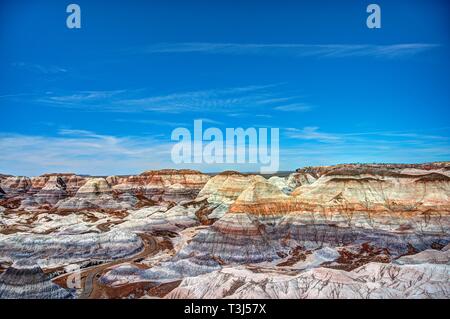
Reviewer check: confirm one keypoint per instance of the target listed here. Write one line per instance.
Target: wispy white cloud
(293, 49)
(311, 133)
(254, 98)
(39, 68)
(294, 107)
(84, 96)
(159, 122)
(213, 100)
(331, 154)
(314, 133)
(210, 121)
(87, 152)
(403, 135)
(81, 151)
(16, 95)
(87, 100)
(153, 122)
(313, 146)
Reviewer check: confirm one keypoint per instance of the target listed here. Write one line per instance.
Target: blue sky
(104, 99)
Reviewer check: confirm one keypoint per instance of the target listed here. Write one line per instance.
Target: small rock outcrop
(15, 185)
(397, 209)
(30, 282)
(371, 281)
(163, 185)
(97, 193)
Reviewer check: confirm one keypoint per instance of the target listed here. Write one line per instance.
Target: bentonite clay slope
(14, 185)
(390, 208)
(38, 192)
(72, 192)
(57, 250)
(30, 282)
(223, 189)
(97, 193)
(50, 193)
(379, 189)
(162, 185)
(323, 232)
(71, 182)
(418, 279)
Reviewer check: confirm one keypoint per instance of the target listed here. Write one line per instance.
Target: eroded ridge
(345, 231)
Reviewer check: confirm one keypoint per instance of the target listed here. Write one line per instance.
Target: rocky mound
(30, 282)
(55, 250)
(15, 185)
(162, 185)
(72, 192)
(330, 227)
(261, 198)
(318, 171)
(371, 281)
(388, 199)
(223, 189)
(54, 190)
(390, 209)
(97, 193)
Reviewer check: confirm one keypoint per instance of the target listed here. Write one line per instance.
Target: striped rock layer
(30, 282)
(73, 192)
(397, 208)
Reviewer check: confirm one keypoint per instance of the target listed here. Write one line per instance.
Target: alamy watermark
(73, 21)
(234, 146)
(374, 19)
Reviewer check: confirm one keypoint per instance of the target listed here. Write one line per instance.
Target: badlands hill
(341, 228)
(73, 192)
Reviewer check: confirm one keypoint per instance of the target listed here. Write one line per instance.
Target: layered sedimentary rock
(159, 218)
(73, 192)
(373, 280)
(71, 181)
(288, 184)
(378, 190)
(165, 272)
(167, 268)
(56, 250)
(30, 282)
(301, 178)
(234, 238)
(431, 256)
(223, 189)
(39, 182)
(54, 190)
(14, 189)
(386, 207)
(2, 178)
(240, 236)
(331, 232)
(15, 185)
(97, 193)
(162, 185)
(41, 191)
(318, 171)
(227, 186)
(381, 199)
(283, 184)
